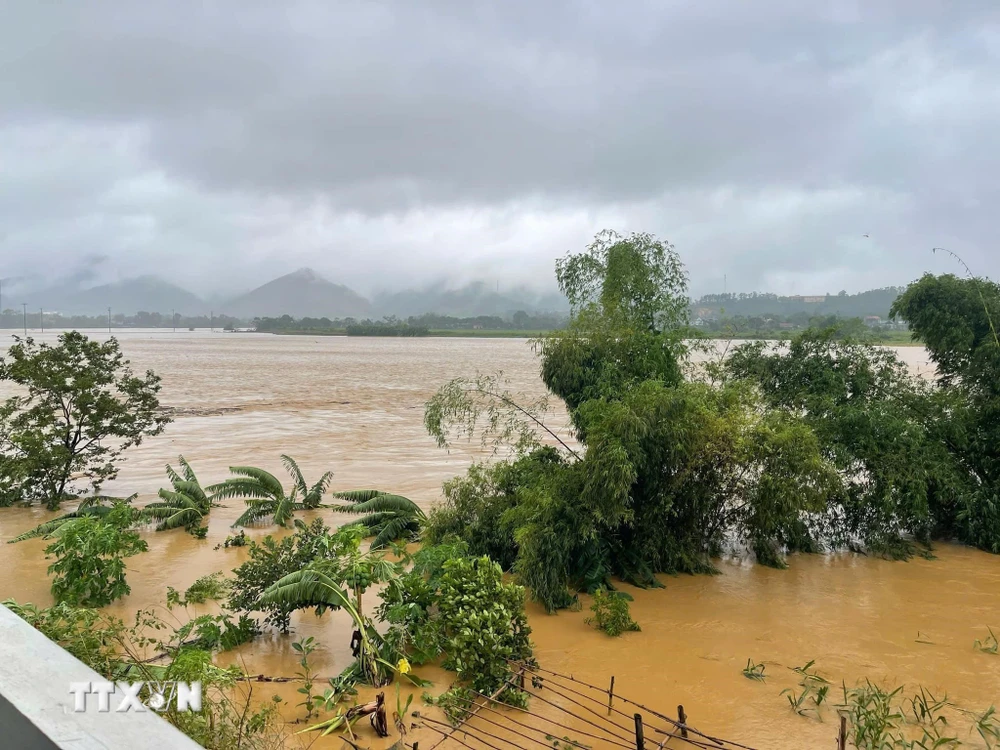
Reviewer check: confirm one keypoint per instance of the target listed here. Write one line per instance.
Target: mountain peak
(305, 274)
(302, 293)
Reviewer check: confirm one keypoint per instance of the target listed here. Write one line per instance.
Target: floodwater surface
(355, 405)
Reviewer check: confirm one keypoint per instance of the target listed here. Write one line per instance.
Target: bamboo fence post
(611, 694)
(682, 718)
(639, 741)
(842, 738)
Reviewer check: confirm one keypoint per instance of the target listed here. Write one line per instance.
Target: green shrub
(611, 613)
(90, 558)
(459, 606)
(482, 620)
(269, 561)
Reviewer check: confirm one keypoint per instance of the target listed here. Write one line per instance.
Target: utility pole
(24, 305)
(109, 321)
(41, 320)
(173, 319)
(211, 320)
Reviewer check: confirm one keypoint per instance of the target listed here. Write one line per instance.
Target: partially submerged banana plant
(265, 496)
(312, 587)
(185, 504)
(385, 516)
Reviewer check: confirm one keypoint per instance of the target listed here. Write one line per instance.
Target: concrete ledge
(36, 706)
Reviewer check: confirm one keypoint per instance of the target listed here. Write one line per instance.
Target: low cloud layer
(389, 144)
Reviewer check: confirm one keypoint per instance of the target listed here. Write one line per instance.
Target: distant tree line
(385, 328)
(36, 319)
(783, 326)
(418, 325)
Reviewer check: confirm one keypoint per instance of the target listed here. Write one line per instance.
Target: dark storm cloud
(763, 138)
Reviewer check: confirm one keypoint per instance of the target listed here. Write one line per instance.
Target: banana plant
(265, 496)
(385, 516)
(185, 504)
(314, 587)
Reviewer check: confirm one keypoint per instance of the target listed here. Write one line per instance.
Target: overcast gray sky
(220, 144)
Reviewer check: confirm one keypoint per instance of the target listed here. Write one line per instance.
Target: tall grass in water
(989, 645)
(880, 718)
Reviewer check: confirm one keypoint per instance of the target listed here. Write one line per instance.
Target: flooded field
(356, 406)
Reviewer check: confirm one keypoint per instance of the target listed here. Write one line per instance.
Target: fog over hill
(302, 293)
(306, 293)
(476, 298)
(149, 293)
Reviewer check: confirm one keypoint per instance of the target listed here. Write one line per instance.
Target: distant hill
(149, 293)
(471, 300)
(301, 294)
(871, 302)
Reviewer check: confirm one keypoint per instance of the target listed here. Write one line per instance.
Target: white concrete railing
(37, 708)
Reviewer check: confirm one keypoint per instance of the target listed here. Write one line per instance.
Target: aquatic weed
(988, 645)
(754, 671)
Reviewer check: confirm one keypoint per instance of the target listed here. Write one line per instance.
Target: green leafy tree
(957, 319)
(90, 558)
(878, 424)
(482, 622)
(265, 496)
(96, 506)
(461, 607)
(270, 560)
(611, 613)
(670, 470)
(629, 301)
(80, 409)
(385, 516)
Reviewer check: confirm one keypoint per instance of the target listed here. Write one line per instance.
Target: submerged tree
(90, 553)
(957, 320)
(882, 427)
(94, 506)
(81, 409)
(269, 560)
(670, 470)
(821, 442)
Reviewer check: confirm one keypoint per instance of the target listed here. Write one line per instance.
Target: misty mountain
(303, 293)
(149, 293)
(476, 298)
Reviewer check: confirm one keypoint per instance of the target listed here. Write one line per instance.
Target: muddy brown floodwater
(355, 405)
